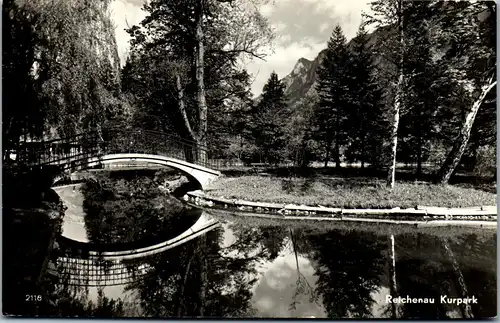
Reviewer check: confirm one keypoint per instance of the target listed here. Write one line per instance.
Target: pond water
(252, 267)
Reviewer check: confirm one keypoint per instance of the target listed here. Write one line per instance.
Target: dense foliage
(60, 68)
(333, 93)
(447, 70)
(267, 123)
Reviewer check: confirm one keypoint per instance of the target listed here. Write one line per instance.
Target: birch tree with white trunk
(469, 31)
(390, 13)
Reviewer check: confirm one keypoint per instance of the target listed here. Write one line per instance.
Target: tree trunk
(391, 174)
(328, 145)
(337, 154)
(337, 142)
(419, 162)
(362, 145)
(419, 145)
(419, 157)
(363, 155)
(398, 100)
(187, 150)
(182, 107)
(458, 149)
(200, 93)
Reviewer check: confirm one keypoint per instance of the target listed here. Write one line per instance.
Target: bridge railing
(79, 148)
(152, 142)
(58, 151)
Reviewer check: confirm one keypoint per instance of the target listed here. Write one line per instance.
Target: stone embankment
(481, 215)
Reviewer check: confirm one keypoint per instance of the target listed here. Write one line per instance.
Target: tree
(299, 133)
(61, 65)
(21, 115)
(268, 120)
(201, 137)
(418, 125)
(364, 113)
(349, 268)
(390, 13)
(207, 37)
(332, 90)
(472, 39)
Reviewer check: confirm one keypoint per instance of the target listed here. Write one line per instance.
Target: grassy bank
(346, 192)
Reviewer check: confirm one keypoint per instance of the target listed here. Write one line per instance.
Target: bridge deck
(91, 144)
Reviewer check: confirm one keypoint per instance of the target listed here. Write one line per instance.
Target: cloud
(267, 9)
(274, 292)
(324, 27)
(125, 13)
(303, 17)
(302, 27)
(265, 303)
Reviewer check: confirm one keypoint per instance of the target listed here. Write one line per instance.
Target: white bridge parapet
(201, 174)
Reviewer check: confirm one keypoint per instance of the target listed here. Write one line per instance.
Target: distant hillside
(301, 82)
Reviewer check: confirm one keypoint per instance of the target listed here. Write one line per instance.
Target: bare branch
(245, 51)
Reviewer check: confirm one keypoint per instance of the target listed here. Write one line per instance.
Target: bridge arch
(115, 144)
(203, 175)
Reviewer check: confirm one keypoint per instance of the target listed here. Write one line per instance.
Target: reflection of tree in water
(457, 266)
(476, 258)
(266, 242)
(303, 287)
(203, 278)
(423, 272)
(273, 239)
(61, 300)
(200, 278)
(128, 211)
(349, 267)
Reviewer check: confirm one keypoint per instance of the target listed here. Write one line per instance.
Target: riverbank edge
(480, 215)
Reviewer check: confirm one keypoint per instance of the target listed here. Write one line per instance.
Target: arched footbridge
(117, 145)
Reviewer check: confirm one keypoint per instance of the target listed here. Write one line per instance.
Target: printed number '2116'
(33, 298)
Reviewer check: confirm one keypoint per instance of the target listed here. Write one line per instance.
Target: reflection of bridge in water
(111, 145)
(92, 268)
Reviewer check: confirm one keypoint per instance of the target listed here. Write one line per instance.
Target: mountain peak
(301, 65)
(304, 60)
(302, 80)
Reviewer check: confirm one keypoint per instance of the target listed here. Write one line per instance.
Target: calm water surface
(263, 268)
(259, 269)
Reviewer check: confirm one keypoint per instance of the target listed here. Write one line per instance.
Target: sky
(302, 26)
